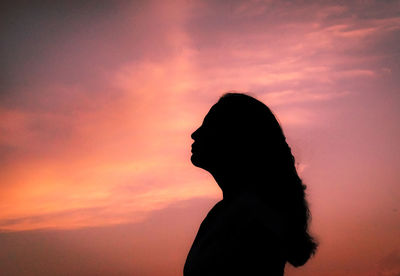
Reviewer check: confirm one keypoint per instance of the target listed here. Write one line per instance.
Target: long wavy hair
(258, 141)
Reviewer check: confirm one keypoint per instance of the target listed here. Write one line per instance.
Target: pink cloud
(98, 108)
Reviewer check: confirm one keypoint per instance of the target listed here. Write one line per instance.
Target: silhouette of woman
(262, 221)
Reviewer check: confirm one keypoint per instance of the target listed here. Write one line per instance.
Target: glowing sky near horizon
(98, 102)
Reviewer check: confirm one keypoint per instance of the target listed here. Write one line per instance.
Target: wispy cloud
(98, 102)
(96, 120)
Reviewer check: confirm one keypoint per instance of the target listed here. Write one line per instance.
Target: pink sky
(98, 102)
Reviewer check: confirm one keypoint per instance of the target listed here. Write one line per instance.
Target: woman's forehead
(213, 114)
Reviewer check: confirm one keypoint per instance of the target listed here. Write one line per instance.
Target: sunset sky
(98, 101)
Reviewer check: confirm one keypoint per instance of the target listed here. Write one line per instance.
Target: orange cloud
(99, 103)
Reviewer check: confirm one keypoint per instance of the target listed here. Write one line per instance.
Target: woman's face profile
(207, 146)
(221, 142)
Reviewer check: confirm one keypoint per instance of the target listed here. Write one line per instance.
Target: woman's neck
(233, 186)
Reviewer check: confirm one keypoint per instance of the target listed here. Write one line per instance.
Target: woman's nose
(195, 134)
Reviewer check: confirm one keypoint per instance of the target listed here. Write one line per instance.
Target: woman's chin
(196, 161)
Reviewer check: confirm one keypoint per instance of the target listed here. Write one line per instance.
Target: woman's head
(237, 134)
(242, 144)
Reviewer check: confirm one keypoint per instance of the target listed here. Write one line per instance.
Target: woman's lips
(194, 147)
